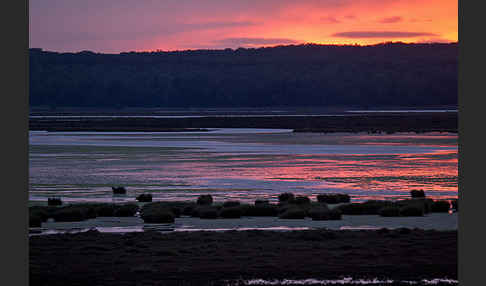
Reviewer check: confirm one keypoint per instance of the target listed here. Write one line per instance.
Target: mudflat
(213, 258)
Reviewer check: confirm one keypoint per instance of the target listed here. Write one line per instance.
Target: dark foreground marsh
(210, 258)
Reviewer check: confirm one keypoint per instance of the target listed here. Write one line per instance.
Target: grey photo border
(15, 24)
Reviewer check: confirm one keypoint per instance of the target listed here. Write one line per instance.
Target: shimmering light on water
(241, 164)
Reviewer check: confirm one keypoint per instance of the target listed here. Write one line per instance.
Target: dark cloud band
(256, 41)
(381, 34)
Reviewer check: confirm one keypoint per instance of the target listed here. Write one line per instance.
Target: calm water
(241, 164)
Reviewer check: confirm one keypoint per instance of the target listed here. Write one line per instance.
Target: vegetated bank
(389, 74)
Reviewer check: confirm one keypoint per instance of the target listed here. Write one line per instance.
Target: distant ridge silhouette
(387, 74)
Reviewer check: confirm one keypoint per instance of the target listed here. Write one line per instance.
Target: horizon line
(247, 48)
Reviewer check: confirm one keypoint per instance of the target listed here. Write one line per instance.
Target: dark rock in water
(417, 194)
(188, 210)
(455, 205)
(156, 213)
(54, 202)
(260, 210)
(262, 202)
(383, 230)
(440, 207)
(205, 200)
(404, 230)
(229, 204)
(43, 212)
(35, 221)
(293, 213)
(371, 207)
(70, 213)
(119, 190)
(423, 203)
(106, 210)
(286, 197)
(333, 198)
(231, 212)
(301, 200)
(144, 198)
(126, 210)
(392, 211)
(207, 212)
(411, 211)
(324, 213)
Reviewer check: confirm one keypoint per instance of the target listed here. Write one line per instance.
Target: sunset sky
(112, 26)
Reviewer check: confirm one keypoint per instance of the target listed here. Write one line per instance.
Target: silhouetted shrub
(286, 197)
(231, 212)
(293, 213)
(262, 202)
(144, 198)
(333, 198)
(54, 202)
(119, 190)
(391, 211)
(301, 200)
(440, 207)
(229, 204)
(417, 194)
(411, 211)
(205, 200)
(126, 210)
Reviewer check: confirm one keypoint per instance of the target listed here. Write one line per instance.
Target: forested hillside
(393, 74)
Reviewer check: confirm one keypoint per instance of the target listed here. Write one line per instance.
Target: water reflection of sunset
(183, 174)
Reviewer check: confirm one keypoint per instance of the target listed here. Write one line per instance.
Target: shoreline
(208, 258)
(431, 221)
(367, 122)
